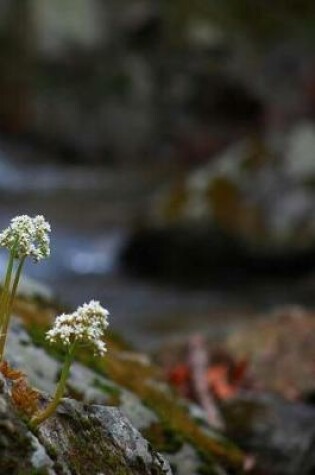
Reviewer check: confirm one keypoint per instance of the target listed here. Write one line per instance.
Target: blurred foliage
(262, 21)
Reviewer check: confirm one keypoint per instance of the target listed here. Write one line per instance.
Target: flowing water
(91, 211)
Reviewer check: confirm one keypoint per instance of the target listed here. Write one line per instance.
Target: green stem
(38, 418)
(8, 304)
(6, 289)
(16, 280)
(4, 303)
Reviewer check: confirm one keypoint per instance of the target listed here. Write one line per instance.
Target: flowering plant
(24, 237)
(84, 327)
(29, 237)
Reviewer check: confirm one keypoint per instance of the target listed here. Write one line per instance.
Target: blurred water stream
(91, 211)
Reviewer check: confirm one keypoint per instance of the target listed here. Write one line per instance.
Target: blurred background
(171, 145)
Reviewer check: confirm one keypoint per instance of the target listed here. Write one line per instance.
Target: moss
(35, 471)
(82, 454)
(50, 448)
(207, 470)
(176, 417)
(163, 438)
(81, 458)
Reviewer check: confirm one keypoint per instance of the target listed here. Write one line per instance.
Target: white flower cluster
(86, 325)
(27, 236)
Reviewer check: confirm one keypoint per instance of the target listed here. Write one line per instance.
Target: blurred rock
(248, 208)
(281, 435)
(279, 349)
(300, 152)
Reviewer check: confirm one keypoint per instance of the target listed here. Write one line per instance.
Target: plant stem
(38, 418)
(16, 280)
(6, 289)
(7, 306)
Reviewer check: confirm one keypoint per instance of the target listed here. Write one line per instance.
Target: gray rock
(77, 439)
(140, 415)
(281, 434)
(40, 459)
(97, 439)
(20, 451)
(42, 370)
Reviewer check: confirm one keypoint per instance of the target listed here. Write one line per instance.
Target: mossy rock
(131, 382)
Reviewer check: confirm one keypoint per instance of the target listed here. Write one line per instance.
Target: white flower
(27, 236)
(86, 325)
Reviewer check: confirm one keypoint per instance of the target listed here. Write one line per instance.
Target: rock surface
(279, 348)
(280, 433)
(20, 451)
(144, 403)
(94, 439)
(79, 439)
